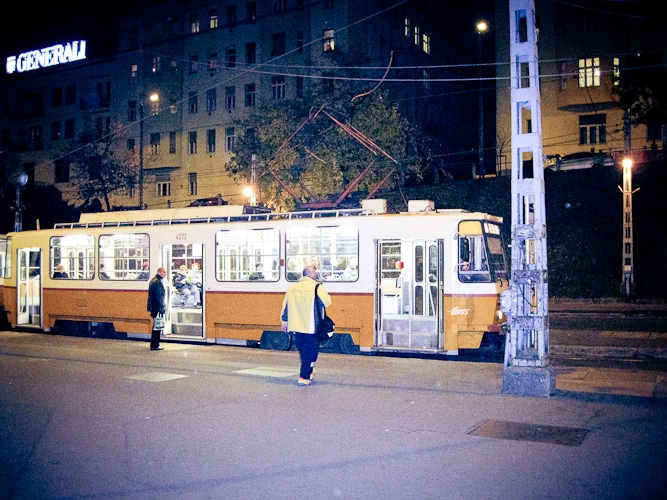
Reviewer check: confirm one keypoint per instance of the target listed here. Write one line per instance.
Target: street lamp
(482, 27)
(21, 180)
(154, 98)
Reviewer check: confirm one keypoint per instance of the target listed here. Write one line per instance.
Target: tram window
(247, 255)
(473, 260)
(5, 252)
(333, 250)
(390, 251)
(72, 257)
(125, 256)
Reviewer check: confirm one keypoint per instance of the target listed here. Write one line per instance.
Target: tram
(422, 280)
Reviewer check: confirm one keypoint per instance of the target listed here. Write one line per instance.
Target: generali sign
(50, 56)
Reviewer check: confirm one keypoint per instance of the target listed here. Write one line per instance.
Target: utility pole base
(539, 382)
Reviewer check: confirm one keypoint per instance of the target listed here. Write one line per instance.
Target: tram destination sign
(50, 56)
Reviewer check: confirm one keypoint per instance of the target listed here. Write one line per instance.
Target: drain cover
(157, 376)
(518, 431)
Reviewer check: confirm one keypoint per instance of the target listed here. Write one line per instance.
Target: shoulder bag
(324, 325)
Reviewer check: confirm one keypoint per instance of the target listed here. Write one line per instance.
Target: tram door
(29, 287)
(185, 289)
(410, 292)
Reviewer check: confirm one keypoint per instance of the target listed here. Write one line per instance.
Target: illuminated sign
(50, 56)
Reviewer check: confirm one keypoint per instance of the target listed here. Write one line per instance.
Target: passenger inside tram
(60, 272)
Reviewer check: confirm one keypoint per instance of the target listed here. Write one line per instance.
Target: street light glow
(627, 163)
(481, 26)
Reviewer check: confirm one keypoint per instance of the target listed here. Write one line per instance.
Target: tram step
(186, 317)
(405, 324)
(414, 339)
(194, 330)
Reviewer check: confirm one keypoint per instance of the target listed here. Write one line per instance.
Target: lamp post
(154, 98)
(21, 180)
(482, 28)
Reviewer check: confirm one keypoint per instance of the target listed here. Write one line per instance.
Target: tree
(100, 168)
(314, 154)
(642, 91)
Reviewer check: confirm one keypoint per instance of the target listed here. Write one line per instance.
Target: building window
(132, 111)
(427, 79)
(250, 53)
(328, 36)
(408, 30)
(192, 184)
(277, 87)
(56, 131)
(593, 129)
(279, 5)
(616, 75)
(213, 19)
(155, 143)
(231, 15)
(57, 97)
(194, 23)
(230, 139)
(278, 44)
(299, 42)
(329, 4)
(211, 100)
(134, 73)
(250, 95)
(230, 98)
(163, 189)
(210, 141)
(69, 129)
(36, 134)
(251, 12)
(231, 57)
(426, 43)
(299, 86)
(589, 72)
(155, 66)
(131, 144)
(70, 94)
(193, 143)
(193, 104)
(194, 63)
(172, 143)
(62, 171)
(213, 61)
(418, 38)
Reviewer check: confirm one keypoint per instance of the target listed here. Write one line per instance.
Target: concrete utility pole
(527, 370)
(628, 283)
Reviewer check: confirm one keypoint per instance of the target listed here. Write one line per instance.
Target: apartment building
(185, 73)
(585, 47)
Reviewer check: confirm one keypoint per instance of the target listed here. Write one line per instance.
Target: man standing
(298, 318)
(156, 305)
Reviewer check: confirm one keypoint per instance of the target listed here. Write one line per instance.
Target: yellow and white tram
(423, 280)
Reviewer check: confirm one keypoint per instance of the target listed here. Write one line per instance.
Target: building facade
(585, 48)
(185, 74)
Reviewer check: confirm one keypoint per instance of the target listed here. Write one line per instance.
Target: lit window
(329, 41)
(134, 72)
(408, 30)
(73, 257)
(242, 255)
(194, 23)
(123, 255)
(426, 43)
(418, 38)
(616, 77)
(589, 72)
(213, 19)
(155, 68)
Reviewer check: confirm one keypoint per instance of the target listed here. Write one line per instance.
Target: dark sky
(45, 24)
